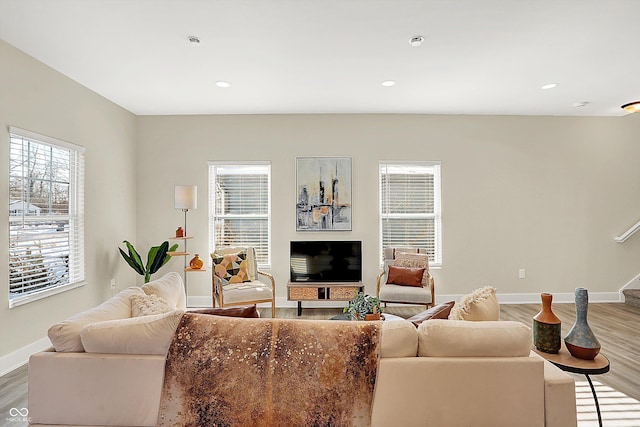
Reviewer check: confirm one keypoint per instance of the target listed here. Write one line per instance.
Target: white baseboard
(14, 360)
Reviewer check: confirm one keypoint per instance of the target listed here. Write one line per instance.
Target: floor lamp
(186, 197)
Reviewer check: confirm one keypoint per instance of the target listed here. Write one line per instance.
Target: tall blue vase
(580, 341)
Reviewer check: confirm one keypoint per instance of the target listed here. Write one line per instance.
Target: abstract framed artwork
(323, 193)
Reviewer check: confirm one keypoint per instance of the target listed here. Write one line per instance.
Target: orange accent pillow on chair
(405, 276)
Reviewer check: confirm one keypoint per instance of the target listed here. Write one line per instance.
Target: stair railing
(630, 232)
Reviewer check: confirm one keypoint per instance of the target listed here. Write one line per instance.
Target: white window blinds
(410, 207)
(46, 215)
(240, 207)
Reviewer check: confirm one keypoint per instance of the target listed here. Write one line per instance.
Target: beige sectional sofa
(443, 373)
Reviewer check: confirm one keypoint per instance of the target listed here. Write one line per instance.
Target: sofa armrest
(95, 389)
(559, 397)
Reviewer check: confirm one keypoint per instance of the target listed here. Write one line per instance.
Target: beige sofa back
(459, 391)
(83, 389)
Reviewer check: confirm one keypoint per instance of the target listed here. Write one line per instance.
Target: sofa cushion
(480, 305)
(440, 311)
(398, 338)
(137, 335)
(65, 336)
(145, 305)
(415, 260)
(459, 338)
(405, 276)
(231, 268)
(170, 288)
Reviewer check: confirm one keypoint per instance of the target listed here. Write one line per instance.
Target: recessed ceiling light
(632, 107)
(193, 40)
(416, 41)
(388, 83)
(221, 83)
(549, 86)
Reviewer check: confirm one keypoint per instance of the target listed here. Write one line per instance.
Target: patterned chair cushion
(252, 264)
(231, 267)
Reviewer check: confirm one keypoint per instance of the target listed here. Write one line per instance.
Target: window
(410, 209)
(240, 207)
(46, 216)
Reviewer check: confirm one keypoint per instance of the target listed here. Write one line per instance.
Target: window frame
(212, 165)
(436, 262)
(75, 216)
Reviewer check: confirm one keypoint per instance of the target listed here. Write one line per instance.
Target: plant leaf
(135, 256)
(168, 257)
(131, 262)
(156, 257)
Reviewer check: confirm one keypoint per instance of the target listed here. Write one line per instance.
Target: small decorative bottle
(179, 232)
(580, 341)
(546, 327)
(196, 262)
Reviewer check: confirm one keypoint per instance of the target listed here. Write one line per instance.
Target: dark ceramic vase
(580, 341)
(546, 327)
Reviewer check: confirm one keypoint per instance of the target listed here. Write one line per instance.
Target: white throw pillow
(145, 305)
(171, 288)
(398, 338)
(138, 335)
(65, 336)
(459, 338)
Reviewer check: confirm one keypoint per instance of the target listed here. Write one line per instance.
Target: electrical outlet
(113, 284)
(522, 273)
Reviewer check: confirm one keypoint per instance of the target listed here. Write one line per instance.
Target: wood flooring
(616, 325)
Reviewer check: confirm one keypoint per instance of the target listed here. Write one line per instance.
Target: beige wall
(36, 98)
(547, 194)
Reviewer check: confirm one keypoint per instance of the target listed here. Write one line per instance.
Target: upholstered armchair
(401, 280)
(236, 279)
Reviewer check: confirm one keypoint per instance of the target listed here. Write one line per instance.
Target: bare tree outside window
(45, 230)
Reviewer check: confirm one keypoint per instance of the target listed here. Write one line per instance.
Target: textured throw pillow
(405, 276)
(440, 311)
(414, 260)
(457, 338)
(146, 305)
(231, 268)
(137, 335)
(480, 305)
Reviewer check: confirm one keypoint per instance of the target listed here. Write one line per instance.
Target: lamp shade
(186, 197)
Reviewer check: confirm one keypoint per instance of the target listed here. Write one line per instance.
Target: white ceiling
(330, 56)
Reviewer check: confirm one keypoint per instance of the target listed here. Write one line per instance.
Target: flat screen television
(326, 261)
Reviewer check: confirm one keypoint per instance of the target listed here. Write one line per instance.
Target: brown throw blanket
(224, 371)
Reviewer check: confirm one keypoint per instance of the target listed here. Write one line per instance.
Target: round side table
(565, 361)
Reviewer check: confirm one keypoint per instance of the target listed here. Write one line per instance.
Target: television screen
(326, 261)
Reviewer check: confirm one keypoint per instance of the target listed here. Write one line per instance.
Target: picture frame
(323, 194)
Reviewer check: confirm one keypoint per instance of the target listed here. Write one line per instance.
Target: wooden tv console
(322, 291)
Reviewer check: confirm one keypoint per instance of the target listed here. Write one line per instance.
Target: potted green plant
(364, 307)
(156, 258)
